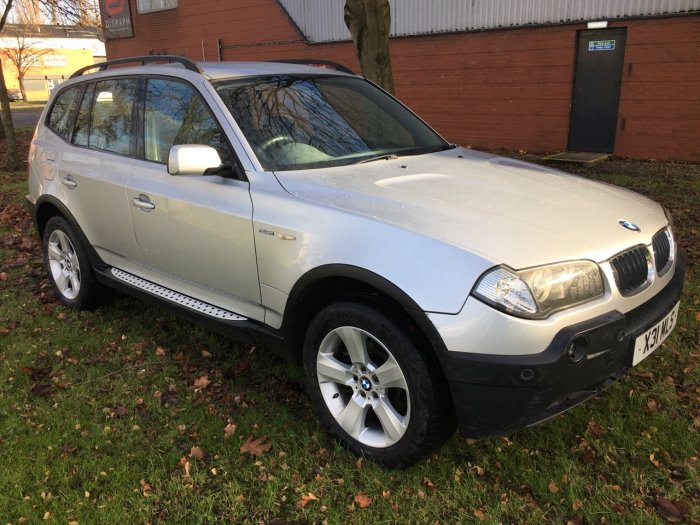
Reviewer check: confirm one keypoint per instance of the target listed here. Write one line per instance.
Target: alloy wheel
(63, 264)
(363, 387)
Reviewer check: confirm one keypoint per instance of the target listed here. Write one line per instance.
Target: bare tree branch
(64, 12)
(24, 56)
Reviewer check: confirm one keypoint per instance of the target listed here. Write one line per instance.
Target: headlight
(536, 293)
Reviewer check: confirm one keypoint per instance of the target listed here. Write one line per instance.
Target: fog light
(527, 374)
(577, 349)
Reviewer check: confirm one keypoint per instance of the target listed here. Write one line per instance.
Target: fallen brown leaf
(577, 504)
(305, 499)
(202, 382)
(139, 346)
(255, 447)
(673, 512)
(3, 277)
(618, 508)
(596, 430)
(36, 373)
(229, 429)
(479, 514)
(363, 500)
(553, 487)
(185, 465)
(197, 453)
(146, 489)
(115, 410)
(654, 461)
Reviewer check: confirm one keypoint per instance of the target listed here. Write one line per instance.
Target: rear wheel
(374, 387)
(68, 268)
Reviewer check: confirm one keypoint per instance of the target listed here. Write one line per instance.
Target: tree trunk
(369, 22)
(12, 163)
(21, 87)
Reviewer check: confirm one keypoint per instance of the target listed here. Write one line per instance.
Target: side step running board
(176, 297)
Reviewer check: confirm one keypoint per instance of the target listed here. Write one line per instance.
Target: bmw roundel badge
(629, 225)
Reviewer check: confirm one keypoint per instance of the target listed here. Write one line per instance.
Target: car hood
(502, 209)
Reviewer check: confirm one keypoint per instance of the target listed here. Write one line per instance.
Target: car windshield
(306, 122)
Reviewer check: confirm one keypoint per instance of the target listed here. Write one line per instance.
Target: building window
(149, 6)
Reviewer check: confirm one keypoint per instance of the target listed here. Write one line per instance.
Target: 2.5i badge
(650, 340)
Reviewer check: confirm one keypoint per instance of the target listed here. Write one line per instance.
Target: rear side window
(111, 122)
(176, 114)
(60, 111)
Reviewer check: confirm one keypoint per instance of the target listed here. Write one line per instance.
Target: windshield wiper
(389, 156)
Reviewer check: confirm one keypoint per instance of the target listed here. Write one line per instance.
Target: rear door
(194, 233)
(92, 164)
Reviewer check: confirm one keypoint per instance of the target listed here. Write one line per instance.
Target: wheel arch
(48, 206)
(335, 282)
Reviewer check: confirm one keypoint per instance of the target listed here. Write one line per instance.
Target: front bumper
(498, 394)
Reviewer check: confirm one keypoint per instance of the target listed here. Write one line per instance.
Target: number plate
(650, 340)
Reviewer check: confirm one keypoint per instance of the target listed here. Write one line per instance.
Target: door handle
(69, 183)
(142, 202)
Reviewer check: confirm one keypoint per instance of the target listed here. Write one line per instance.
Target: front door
(599, 59)
(194, 233)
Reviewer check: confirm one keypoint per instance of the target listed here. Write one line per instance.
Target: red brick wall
(494, 89)
(660, 97)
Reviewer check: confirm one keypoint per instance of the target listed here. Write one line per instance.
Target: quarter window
(60, 111)
(111, 125)
(176, 114)
(82, 122)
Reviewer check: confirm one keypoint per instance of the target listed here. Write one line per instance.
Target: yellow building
(50, 54)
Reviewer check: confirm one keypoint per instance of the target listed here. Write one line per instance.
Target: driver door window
(176, 114)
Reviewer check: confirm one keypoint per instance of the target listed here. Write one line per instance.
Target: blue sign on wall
(601, 45)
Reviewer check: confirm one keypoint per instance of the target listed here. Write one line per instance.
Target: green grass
(98, 410)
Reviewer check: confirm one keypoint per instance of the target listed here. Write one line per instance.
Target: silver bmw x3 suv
(423, 286)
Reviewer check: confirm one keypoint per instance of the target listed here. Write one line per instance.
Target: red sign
(115, 7)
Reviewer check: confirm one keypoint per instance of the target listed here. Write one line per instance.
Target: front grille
(662, 251)
(632, 269)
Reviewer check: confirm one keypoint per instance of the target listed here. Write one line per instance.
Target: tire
(375, 388)
(68, 267)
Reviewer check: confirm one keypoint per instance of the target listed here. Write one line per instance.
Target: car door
(194, 233)
(92, 172)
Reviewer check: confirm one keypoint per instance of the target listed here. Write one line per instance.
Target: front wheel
(374, 387)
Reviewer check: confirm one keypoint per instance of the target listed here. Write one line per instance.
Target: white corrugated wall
(322, 20)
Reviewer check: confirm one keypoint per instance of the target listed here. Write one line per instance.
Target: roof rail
(313, 62)
(189, 64)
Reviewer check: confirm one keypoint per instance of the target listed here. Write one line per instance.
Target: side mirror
(192, 159)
